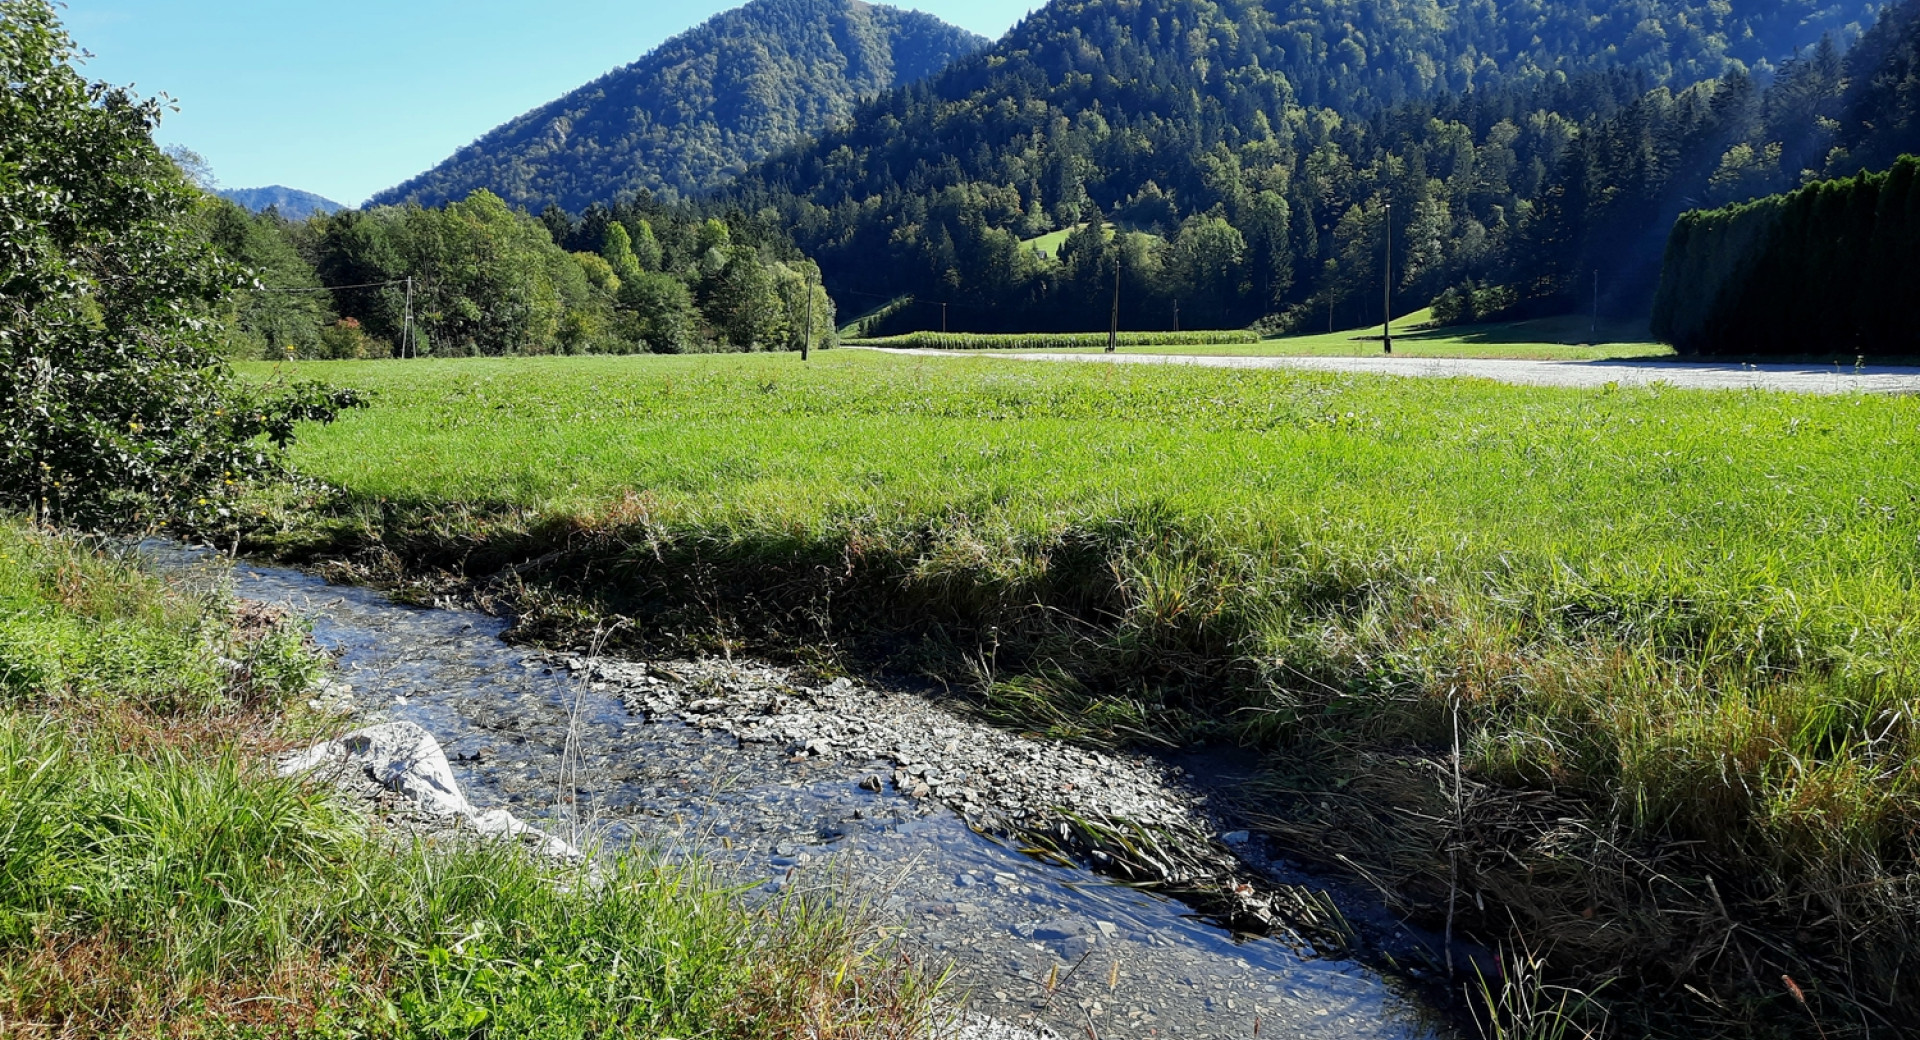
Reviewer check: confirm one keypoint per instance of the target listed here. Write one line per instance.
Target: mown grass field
(1550, 339)
(1679, 628)
(157, 879)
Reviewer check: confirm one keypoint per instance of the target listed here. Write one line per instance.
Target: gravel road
(1803, 379)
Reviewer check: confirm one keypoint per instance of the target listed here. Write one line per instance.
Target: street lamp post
(806, 342)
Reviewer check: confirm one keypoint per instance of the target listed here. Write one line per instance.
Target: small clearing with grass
(1675, 628)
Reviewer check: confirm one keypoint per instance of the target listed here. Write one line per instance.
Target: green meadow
(1554, 339)
(1548, 339)
(1687, 619)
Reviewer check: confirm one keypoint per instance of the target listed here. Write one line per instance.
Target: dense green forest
(700, 108)
(1826, 268)
(1879, 117)
(487, 279)
(1251, 152)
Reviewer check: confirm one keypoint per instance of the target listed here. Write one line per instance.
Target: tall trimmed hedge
(1832, 268)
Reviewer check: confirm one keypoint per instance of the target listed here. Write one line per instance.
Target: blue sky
(346, 97)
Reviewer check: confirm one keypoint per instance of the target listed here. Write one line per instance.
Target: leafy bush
(1470, 302)
(345, 340)
(115, 403)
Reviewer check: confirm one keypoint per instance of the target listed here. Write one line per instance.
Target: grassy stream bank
(157, 880)
(1672, 631)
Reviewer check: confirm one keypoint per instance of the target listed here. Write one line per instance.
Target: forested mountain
(1260, 144)
(701, 108)
(1825, 269)
(292, 203)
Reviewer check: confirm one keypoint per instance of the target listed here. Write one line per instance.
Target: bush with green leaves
(115, 406)
(1471, 302)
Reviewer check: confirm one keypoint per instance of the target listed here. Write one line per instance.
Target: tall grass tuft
(157, 878)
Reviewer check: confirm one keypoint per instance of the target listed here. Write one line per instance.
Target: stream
(1024, 941)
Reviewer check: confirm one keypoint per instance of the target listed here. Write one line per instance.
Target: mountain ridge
(292, 203)
(699, 108)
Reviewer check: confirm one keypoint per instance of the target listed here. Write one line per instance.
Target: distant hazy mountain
(293, 203)
(702, 107)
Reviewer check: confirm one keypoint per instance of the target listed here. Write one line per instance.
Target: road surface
(1692, 375)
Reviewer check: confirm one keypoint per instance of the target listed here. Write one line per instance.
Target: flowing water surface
(1024, 941)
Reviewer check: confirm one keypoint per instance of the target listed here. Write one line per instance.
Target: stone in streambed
(406, 759)
(399, 756)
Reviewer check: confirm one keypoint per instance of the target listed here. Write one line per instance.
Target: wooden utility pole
(1386, 322)
(806, 342)
(943, 319)
(1113, 330)
(1596, 303)
(407, 348)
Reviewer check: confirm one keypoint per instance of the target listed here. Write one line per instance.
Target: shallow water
(1122, 963)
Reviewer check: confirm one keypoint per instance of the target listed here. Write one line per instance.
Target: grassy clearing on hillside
(1048, 245)
(157, 880)
(1679, 628)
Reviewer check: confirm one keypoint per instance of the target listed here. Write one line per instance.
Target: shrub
(345, 340)
(1470, 302)
(115, 402)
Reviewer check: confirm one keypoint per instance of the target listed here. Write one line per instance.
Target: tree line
(477, 277)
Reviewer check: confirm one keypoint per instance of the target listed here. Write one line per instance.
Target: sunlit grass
(1740, 530)
(1693, 610)
(1549, 339)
